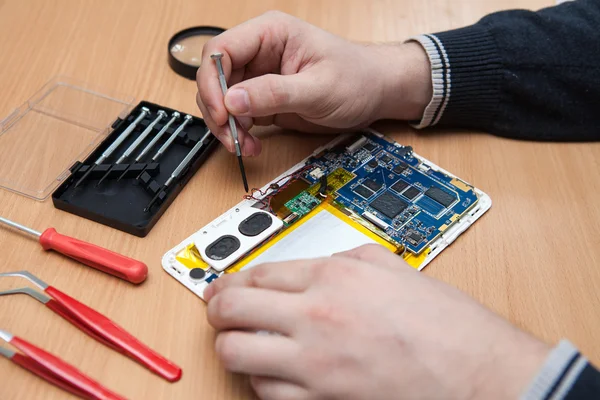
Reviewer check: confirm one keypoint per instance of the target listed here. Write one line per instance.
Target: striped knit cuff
(558, 375)
(440, 78)
(466, 74)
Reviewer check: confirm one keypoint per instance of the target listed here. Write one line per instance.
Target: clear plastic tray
(61, 124)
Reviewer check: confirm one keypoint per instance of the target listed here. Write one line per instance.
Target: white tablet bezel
(180, 273)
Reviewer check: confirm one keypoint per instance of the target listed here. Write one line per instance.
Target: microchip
(399, 186)
(371, 184)
(373, 163)
(440, 196)
(389, 205)
(400, 168)
(363, 191)
(369, 146)
(385, 159)
(406, 150)
(414, 238)
(411, 193)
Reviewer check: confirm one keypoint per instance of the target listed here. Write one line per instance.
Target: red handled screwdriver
(86, 253)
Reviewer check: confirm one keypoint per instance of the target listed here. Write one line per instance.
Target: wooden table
(534, 258)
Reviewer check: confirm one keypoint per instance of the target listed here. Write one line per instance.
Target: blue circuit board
(406, 198)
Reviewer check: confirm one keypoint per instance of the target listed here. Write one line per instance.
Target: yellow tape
(415, 261)
(322, 207)
(335, 181)
(190, 258)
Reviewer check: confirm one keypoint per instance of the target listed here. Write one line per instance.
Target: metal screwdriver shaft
(107, 153)
(232, 126)
(180, 168)
(160, 115)
(150, 145)
(187, 119)
(20, 227)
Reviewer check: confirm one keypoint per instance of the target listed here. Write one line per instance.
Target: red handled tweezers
(97, 326)
(54, 370)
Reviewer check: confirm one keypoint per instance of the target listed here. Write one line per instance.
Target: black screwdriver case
(67, 126)
(121, 204)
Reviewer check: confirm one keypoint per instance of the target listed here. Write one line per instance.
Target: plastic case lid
(61, 124)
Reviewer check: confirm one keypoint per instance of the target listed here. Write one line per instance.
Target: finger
(254, 146)
(296, 122)
(243, 137)
(290, 276)
(277, 389)
(219, 132)
(374, 254)
(274, 94)
(237, 75)
(253, 309)
(239, 46)
(246, 122)
(264, 121)
(255, 354)
(248, 145)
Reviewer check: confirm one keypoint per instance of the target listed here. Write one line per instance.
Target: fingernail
(246, 122)
(229, 144)
(237, 101)
(257, 146)
(246, 151)
(211, 112)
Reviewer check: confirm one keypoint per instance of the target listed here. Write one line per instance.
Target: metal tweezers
(96, 326)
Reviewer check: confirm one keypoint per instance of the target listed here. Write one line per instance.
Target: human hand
(364, 325)
(283, 71)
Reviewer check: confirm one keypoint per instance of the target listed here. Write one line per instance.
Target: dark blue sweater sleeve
(565, 375)
(520, 74)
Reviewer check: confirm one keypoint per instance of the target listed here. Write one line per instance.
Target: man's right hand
(283, 71)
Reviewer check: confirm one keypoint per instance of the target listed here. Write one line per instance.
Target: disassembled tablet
(359, 189)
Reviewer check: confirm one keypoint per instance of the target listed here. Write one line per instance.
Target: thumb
(271, 94)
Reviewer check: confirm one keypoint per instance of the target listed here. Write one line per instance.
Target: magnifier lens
(188, 50)
(185, 49)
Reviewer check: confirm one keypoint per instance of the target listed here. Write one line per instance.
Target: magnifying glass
(185, 49)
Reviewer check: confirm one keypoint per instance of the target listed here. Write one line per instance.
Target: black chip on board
(385, 159)
(399, 186)
(414, 238)
(411, 193)
(406, 150)
(370, 146)
(373, 163)
(442, 197)
(363, 191)
(373, 185)
(400, 168)
(389, 205)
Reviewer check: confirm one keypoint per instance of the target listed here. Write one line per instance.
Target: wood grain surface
(534, 257)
